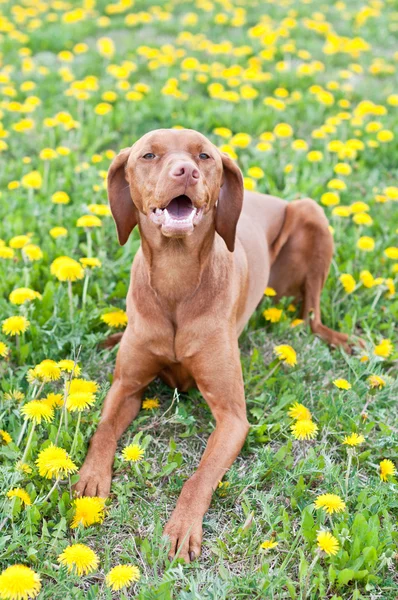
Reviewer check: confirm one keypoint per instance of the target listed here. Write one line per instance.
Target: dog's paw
(93, 481)
(184, 531)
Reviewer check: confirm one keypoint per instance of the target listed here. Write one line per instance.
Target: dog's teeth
(158, 211)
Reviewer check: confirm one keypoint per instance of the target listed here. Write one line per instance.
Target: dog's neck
(175, 266)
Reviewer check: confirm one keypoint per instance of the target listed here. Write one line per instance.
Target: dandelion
(327, 542)
(133, 453)
(67, 269)
(21, 494)
(150, 403)
(286, 354)
(36, 411)
(82, 385)
(22, 295)
(354, 439)
(19, 582)
(342, 384)
(122, 576)
(48, 370)
(331, 503)
(79, 558)
(304, 429)
(60, 198)
(269, 291)
(5, 437)
(57, 232)
(366, 243)
(117, 318)
(387, 469)
(4, 350)
(88, 511)
(89, 221)
(32, 252)
(348, 282)
(54, 461)
(69, 366)
(375, 381)
(296, 322)
(273, 314)
(15, 325)
(299, 412)
(23, 468)
(54, 400)
(268, 545)
(384, 349)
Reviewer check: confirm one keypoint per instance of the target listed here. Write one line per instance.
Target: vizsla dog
(208, 250)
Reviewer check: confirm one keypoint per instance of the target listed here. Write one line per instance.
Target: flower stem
(52, 489)
(309, 573)
(74, 443)
(70, 294)
(29, 441)
(347, 475)
(85, 288)
(89, 243)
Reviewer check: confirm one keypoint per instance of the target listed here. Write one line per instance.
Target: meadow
(304, 95)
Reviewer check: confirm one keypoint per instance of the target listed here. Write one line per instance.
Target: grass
(275, 481)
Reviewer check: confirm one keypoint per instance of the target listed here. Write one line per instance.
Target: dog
(208, 250)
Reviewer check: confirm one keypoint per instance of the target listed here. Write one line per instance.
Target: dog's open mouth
(179, 216)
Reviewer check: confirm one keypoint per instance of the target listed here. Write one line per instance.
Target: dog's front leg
(218, 374)
(135, 369)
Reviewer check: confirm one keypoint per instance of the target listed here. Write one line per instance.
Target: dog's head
(175, 178)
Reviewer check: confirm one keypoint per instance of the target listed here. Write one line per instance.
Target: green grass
(274, 482)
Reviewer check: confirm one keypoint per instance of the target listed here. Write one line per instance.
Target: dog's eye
(149, 156)
(203, 156)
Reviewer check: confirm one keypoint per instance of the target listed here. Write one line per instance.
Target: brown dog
(207, 253)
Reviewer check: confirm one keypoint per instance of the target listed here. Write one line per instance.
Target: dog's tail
(112, 340)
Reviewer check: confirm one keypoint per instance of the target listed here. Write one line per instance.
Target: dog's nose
(185, 170)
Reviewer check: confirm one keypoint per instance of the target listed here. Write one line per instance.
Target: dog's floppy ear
(230, 202)
(123, 210)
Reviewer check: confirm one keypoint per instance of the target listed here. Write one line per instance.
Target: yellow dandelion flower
(82, 385)
(23, 468)
(37, 410)
(296, 322)
(122, 576)
(387, 469)
(14, 395)
(48, 370)
(79, 558)
(4, 350)
(366, 243)
(54, 400)
(79, 401)
(32, 252)
(6, 253)
(116, 318)
(21, 494)
(22, 295)
(348, 282)
(391, 252)
(66, 269)
(268, 545)
(384, 349)
(57, 232)
(304, 429)
(19, 241)
(88, 511)
(15, 325)
(327, 542)
(150, 403)
(101, 210)
(286, 354)
(133, 453)
(272, 314)
(90, 262)
(55, 461)
(299, 412)
(375, 381)
(32, 180)
(354, 439)
(69, 366)
(89, 221)
(5, 436)
(331, 503)
(60, 198)
(19, 582)
(342, 384)
(269, 291)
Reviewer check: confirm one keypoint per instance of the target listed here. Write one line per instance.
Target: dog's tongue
(180, 207)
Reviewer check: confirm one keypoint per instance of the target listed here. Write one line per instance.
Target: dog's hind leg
(301, 257)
